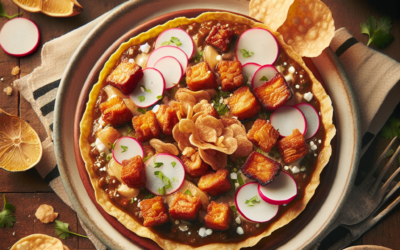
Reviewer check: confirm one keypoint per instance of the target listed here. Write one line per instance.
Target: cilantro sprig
(246, 53)
(146, 89)
(7, 219)
(125, 148)
(174, 40)
(220, 107)
(378, 31)
(141, 98)
(252, 201)
(142, 110)
(63, 231)
(264, 78)
(173, 164)
(187, 192)
(199, 57)
(165, 180)
(4, 14)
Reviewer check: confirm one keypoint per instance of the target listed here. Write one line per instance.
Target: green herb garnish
(252, 201)
(198, 58)
(187, 192)
(146, 158)
(145, 89)
(149, 196)
(220, 107)
(158, 164)
(161, 190)
(124, 148)
(159, 97)
(174, 179)
(109, 157)
(111, 145)
(173, 164)
(378, 31)
(141, 98)
(142, 110)
(131, 200)
(173, 40)
(129, 129)
(3, 12)
(165, 180)
(63, 231)
(264, 78)
(246, 53)
(233, 208)
(7, 219)
(240, 179)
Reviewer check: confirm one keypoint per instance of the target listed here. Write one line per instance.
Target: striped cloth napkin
(374, 76)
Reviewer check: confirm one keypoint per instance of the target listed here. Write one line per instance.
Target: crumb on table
(8, 90)
(15, 71)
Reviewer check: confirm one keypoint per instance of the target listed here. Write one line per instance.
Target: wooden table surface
(27, 190)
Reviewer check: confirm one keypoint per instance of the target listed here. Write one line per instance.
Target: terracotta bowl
(83, 72)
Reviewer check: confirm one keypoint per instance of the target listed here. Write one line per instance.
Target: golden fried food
(200, 77)
(215, 183)
(133, 172)
(231, 75)
(243, 104)
(167, 118)
(115, 111)
(292, 147)
(261, 168)
(220, 37)
(146, 126)
(108, 136)
(219, 216)
(263, 134)
(184, 206)
(153, 211)
(194, 165)
(125, 77)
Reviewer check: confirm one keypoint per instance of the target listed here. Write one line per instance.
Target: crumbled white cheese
(301, 76)
(183, 227)
(257, 225)
(177, 222)
(189, 233)
(239, 230)
(302, 169)
(2, 79)
(101, 122)
(280, 69)
(297, 86)
(285, 63)
(286, 168)
(319, 141)
(219, 58)
(135, 199)
(314, 147)
(202, 232)
(308, 96)
(289, 78)
(131, 60)
(13, 233)
(315, 155)
(233, 176)
(100, 145)
(291, 69)
(145, 48)
(238, 220)
(295, 170)
(155, 108)
(209, 231)
(236, 185)
(312, 143)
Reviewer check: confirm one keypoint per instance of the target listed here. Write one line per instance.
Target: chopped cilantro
(159, 97)
(149, 196)
(161, 190)
(173, 164)
(264, 78)
(124, 148)
(3, 13)
(146, 158)
(173, 40)
(141, 98)
(111, 145)
(198, 58)
(129, 129)
(187, 192)
(240, 179)
(219, 106)
(145, 89)
(233, 208)
(246, 53)
(252, 201)
(7, 219)
(63, 231)
(142, 110)
(378, 31)
(165, 180)
(259, 150)
(109, 157)
(158, 164)
(174, 179)
(131, 200)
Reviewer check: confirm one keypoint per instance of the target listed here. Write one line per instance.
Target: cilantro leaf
(145, 89)
(378, 31)
(252, 201)
(111, 145)
(142, 110)
(7, 219)
(166, 43)
(124, 148)
(198, 58)
(161, 190)
(240, 180)
(159, 97)
(3, 13)
(63, 231)
(264, 78)
(149, 196)
(129, 129)
(173, 40)
(187, 192)
(219, 105)
(391, 128)
(233, 208)
(246, 53)
(173, 164)
(165, 180)
(109, 157)
(141, 98)
(158, 164)
(146, 158)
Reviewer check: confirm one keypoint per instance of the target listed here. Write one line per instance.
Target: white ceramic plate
(135, 12)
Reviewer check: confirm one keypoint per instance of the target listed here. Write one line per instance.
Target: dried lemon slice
(54, 8)
(20, 147)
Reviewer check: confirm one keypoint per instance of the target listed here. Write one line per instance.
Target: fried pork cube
(231, 75)
(263, 134)
(115, 111)
(292, 147)
(215, 183)
(167, 118)
(194, 165)
(219, 216)
(273, 93)
(153, 211)
(243, 104)
(125, 77)
(199, 77)
(133, 172)
(261, 168)
(108, 136)
(220, 36)
(184, 206)
(146, 126)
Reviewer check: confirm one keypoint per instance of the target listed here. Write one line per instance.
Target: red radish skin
(178, 33)
(12, 37)
(269, 71)
(171, 78)
(168, 50)
(249, 69)
(153, 182)
(285, 124)
(152, 79)
(133, 146)
(260, 212)
(278, 182)
(312, 118)
(255, 40)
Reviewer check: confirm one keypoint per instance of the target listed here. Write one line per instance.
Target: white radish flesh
(266, 71)
(169, 50)
(249, 69)
(281, 191)
(126, 148)
(260, 211)
(258, 46)
(312, 119)
(185, 40)
(287, 118)
(171, 70)
(171, 167)
(149, 89)
(19, 37)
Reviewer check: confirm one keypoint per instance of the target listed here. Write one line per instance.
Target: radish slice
(170, 167)
(266, 71)
(185, 40)
(249, 69)
(171, 70)
(258, 46)
(126, 148)
(149, 89)
(287, 118)
(19, 37)
(281, 191)
(261, 211)
(169, 50)
(312, 119)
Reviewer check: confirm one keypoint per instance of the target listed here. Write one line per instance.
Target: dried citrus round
(54, 8)
(20, 147)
